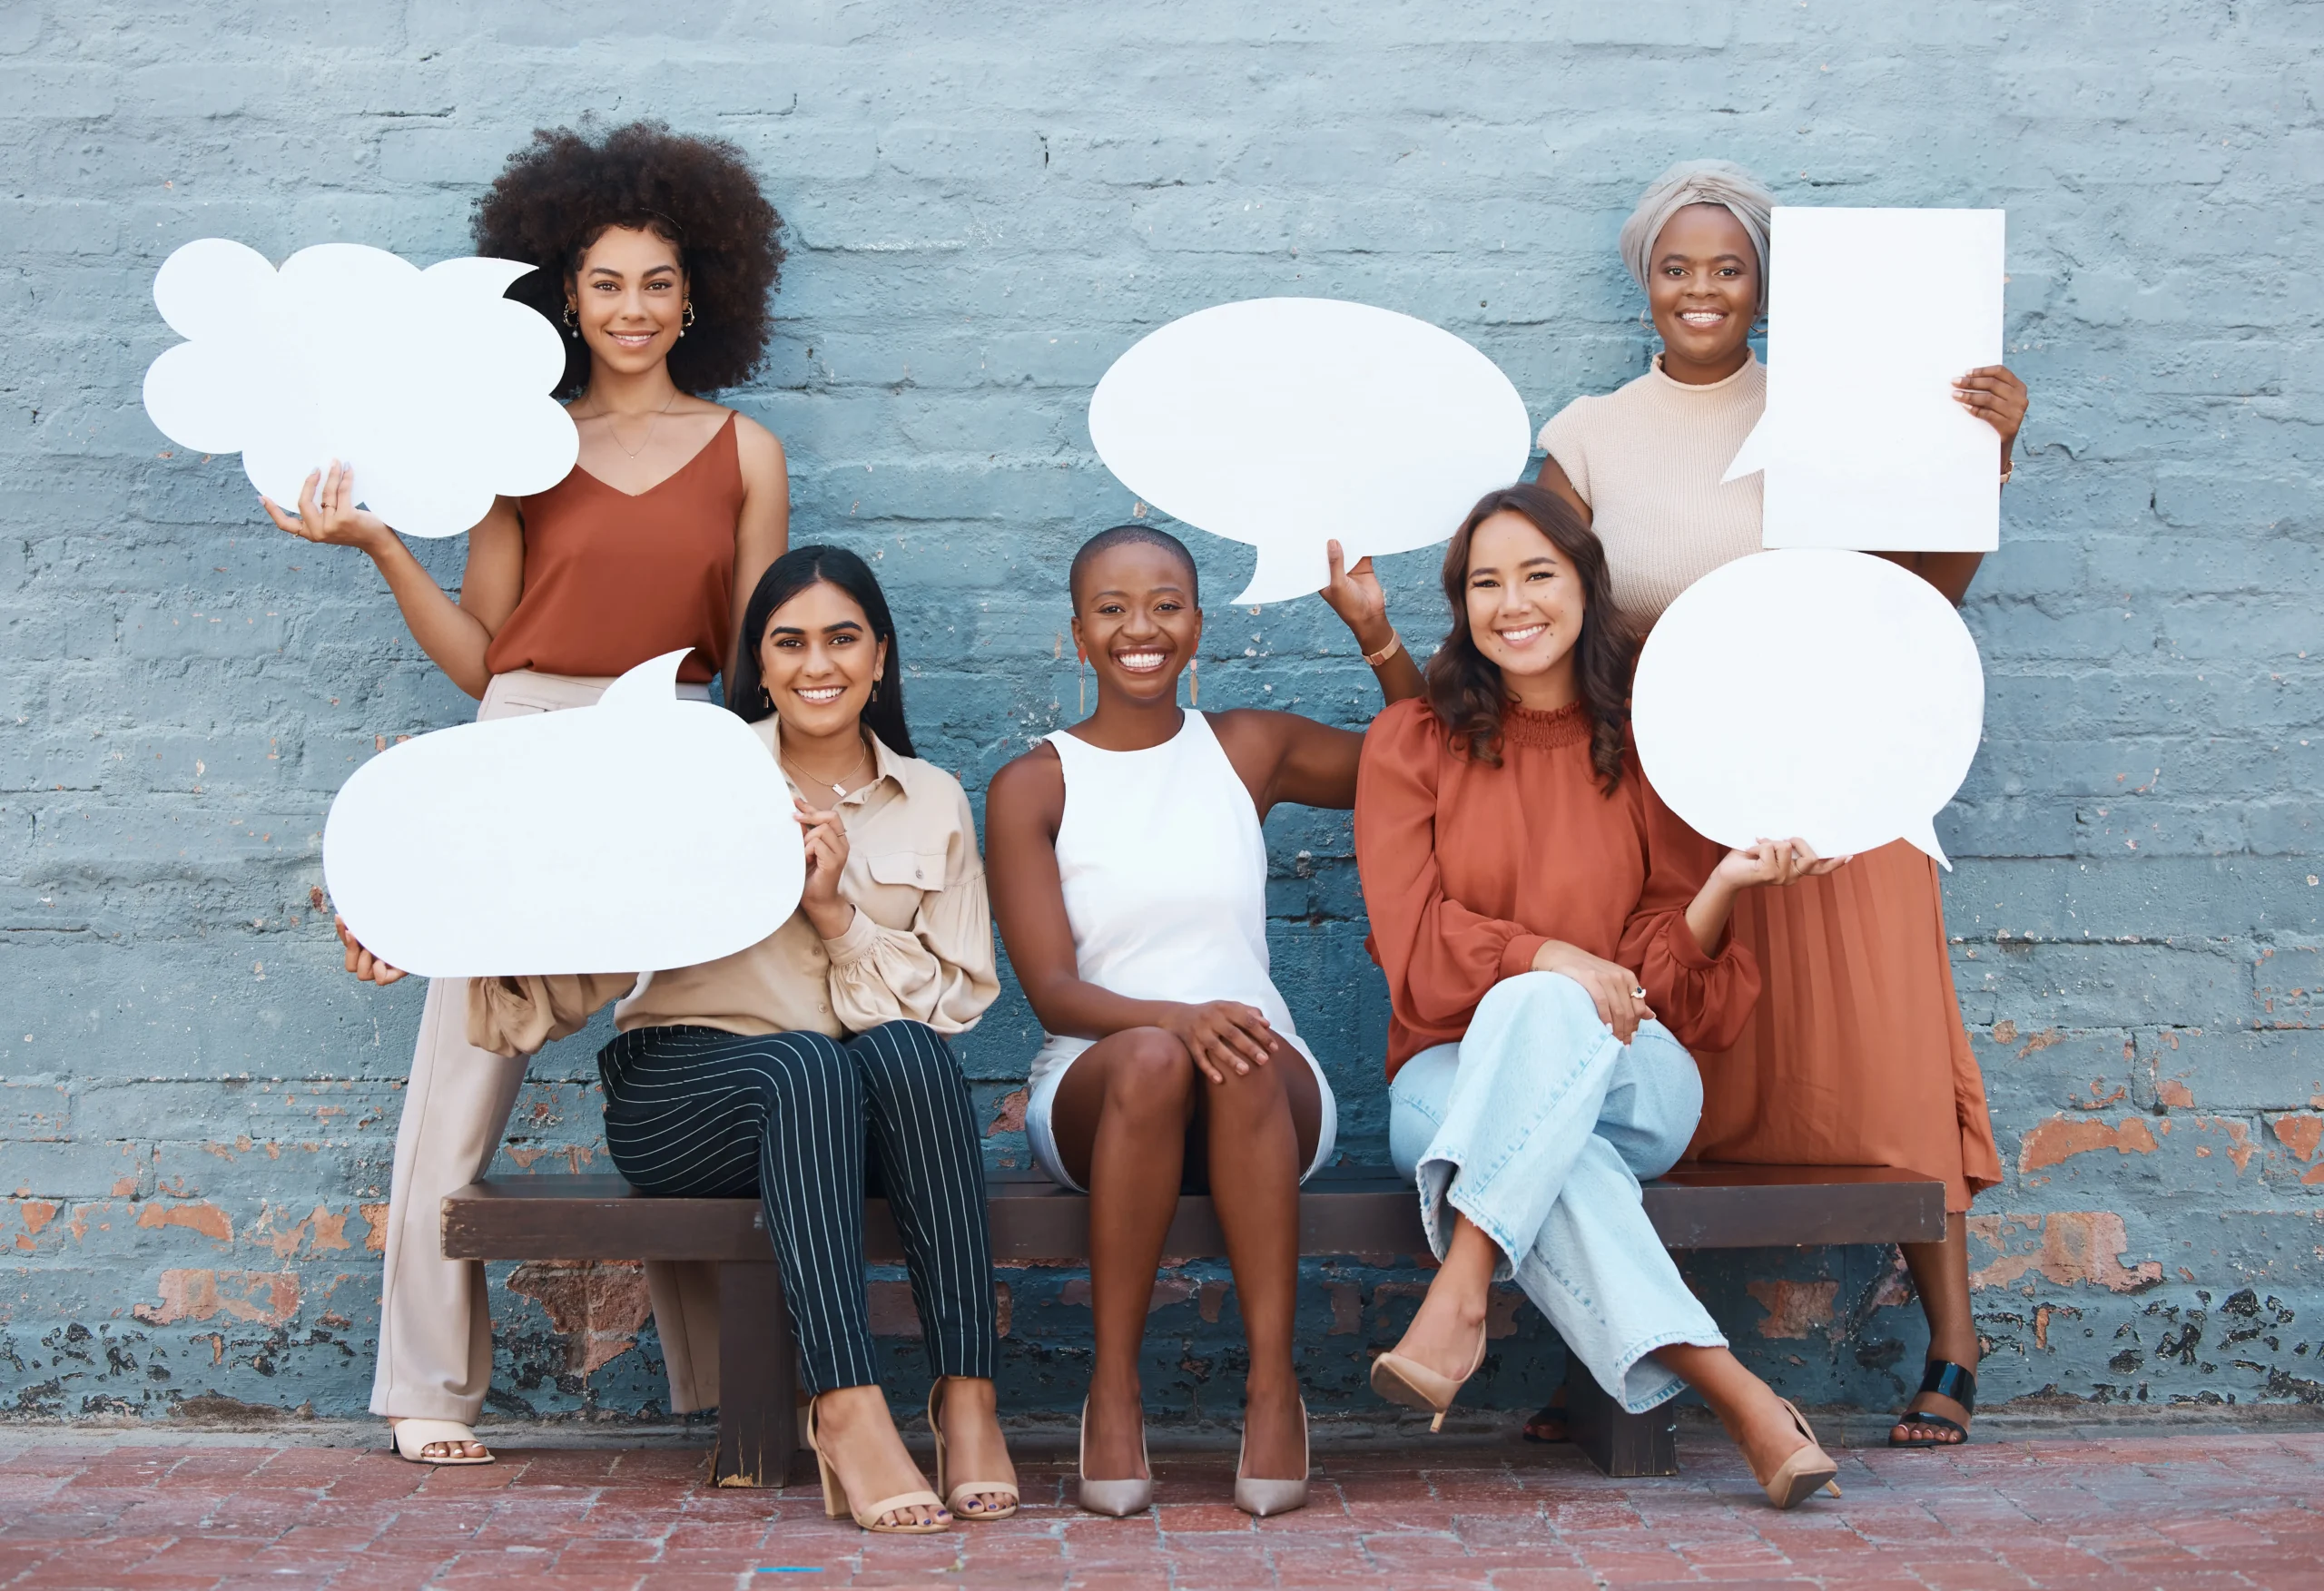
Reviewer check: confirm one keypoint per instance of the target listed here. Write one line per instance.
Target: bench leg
(1621, 1444)
(758, 1378)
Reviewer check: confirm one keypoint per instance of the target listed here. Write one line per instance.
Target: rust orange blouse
(1468, 869)
(613, 577)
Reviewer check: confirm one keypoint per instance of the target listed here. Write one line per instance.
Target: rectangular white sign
(1872, 316)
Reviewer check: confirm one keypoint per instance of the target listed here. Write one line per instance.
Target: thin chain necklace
(839, 785)
(614, 432)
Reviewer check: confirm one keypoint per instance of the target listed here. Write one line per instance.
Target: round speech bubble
(1287, 423)
(1829, 695)
(569, 842)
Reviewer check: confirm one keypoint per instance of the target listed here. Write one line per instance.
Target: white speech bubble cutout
(1287, 423)
(640, 834)
(1863, 443)
(430, 383)
(1827, 694)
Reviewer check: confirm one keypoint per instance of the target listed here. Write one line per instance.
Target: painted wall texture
(984, 205)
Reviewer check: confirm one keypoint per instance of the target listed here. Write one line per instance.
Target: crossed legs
(1128, 1116)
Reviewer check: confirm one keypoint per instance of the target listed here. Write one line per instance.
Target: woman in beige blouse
(776, 1071)
(1854, 1054)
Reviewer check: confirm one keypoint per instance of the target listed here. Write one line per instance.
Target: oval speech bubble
(640, 834)
(430, 383)
(1287, 423)
(1830, 695)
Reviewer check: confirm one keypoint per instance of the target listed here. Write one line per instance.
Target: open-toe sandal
(955, 1491)
(838, 1505)
(1946, 1380)
(1806, 1471)
(414, 1436)
(1415, 1386)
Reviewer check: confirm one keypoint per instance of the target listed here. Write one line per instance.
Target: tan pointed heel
(1117, 1499)
(838, 1505)
(1259, 1497)
(1415, 1386)
(1805, 1472)
(953, 1493)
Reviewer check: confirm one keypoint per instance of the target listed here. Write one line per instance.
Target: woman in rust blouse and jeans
(656, 254)
(1555, 941)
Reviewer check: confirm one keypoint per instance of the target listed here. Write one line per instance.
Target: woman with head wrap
(1855, 1054)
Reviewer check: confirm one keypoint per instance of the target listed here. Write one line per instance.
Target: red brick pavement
(2169, 1506)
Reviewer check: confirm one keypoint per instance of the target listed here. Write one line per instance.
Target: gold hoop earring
(687, 320)
(571, 327)
(1645, 323)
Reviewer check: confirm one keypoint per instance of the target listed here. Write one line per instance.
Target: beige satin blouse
(920, 946)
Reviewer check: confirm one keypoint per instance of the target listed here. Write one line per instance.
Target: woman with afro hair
(656, 255)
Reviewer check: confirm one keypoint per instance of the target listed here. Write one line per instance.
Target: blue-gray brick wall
(984, 204)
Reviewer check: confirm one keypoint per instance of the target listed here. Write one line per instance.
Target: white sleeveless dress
(1165, 871)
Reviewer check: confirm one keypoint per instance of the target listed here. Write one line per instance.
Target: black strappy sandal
(1946, 1380)
(1549, 1423)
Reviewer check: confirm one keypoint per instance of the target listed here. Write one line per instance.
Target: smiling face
(819, 661)
(1137, 621)
(1703, 286)
(1525, 604)
(630, 294)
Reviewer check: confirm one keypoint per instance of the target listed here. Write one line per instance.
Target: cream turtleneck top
(1646, 458)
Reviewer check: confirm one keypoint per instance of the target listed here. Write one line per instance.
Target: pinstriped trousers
(794, 1117)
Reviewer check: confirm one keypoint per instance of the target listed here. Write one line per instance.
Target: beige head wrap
(1697, 182)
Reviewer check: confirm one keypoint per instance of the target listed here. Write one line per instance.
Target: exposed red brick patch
(1501, 1311)
(2005, 1032)
(1167, 1290)
(267, 1296)
(1347, 1309)
(597, 1306)
(375, 1223)
(206, 1219)
(2069, 1247)
(2175, 1094)
(2063, 1137)
(2299, 1134)
(1010, 1116)
(1794, 1308)
(39, 1213)
(2041, 1041)
(2240, 1147)
(1211, 1299)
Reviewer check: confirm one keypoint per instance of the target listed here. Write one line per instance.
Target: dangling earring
(1194, 681)
(571, 327)
(1080, 682)
(767, 698)
(688, 320)
(875, 694)
(1644, 324)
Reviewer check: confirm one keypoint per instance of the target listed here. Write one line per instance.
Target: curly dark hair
(559, 195)
(1464, 686)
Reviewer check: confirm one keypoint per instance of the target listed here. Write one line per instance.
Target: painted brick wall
(984, 204)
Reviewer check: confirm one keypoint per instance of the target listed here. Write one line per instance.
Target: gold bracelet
(1395, 645)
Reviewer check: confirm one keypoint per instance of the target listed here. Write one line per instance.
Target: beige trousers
(434, 1320)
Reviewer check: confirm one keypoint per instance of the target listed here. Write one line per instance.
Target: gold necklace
(839, 785)
(615, 431)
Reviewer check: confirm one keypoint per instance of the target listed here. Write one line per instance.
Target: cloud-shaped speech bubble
(432, 386)
(643, 833)
(1830, 695)
(1288, 422)
(1863, 444)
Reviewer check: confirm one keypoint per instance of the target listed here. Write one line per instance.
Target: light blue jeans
(1536, 1126)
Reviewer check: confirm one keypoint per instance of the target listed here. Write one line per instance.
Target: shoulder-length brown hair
(1465, 688)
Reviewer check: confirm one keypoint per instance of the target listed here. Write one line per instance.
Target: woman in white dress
(1128, 877)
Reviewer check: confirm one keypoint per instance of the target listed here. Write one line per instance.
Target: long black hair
(1465, 688)
(785, 578)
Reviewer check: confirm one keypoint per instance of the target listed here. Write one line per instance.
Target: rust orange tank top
(613, 579)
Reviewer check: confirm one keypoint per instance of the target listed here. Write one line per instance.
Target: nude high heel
(1805, 1472)
(1259, 1497)
(1115, 1499)
(837, 1504)
(954, 1493)
(1415, 1386)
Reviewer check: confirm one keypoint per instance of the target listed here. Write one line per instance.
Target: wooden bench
(1343, 1211)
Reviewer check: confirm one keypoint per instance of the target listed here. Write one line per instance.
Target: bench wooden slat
(1345, 1211)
